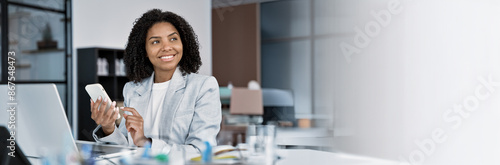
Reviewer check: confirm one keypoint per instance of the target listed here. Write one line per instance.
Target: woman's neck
(163, 76)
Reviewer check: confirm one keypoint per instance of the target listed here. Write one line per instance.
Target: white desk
(314, 157)
(319, 137)
(311, 157)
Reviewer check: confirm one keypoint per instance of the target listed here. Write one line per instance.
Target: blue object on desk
(86, 154)
(206, 156)
(147, 146)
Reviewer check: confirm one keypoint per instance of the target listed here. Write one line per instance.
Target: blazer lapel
(141, 100)
(173, 97)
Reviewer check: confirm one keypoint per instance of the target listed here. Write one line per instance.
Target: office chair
(278, 107)
(19, 158)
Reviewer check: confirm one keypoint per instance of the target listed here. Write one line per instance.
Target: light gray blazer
(191, 111)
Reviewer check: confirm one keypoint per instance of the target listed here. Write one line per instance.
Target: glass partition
(52, 4)
(36, 37)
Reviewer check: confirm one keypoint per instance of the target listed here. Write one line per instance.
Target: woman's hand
(135, 125)
(103, 117)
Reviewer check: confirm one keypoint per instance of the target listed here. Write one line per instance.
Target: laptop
(41, 125)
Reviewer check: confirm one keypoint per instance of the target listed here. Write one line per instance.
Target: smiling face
(164, 48)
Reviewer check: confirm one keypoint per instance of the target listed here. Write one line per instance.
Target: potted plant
(47, 41)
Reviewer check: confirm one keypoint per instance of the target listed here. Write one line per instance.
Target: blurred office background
(40, 35)
(413, 81)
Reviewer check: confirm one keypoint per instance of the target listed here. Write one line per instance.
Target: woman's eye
(155, 42)
(173, 39)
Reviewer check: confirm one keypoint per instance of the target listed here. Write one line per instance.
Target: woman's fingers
(101, 115)
(111, 115)
(110, 112)
(133, 126)
(92, 113)
(94, 106)
(132, 110)
(95, 110)
(116, 114)
(134, 119)
(133, 122)
(102, 108)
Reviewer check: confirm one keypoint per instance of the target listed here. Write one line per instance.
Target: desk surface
(305, 156)
(318, 137)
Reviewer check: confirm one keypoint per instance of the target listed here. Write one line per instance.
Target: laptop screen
(41, 125)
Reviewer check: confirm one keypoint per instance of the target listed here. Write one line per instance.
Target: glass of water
(261, 144)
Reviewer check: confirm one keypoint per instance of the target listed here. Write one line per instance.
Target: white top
(153, 113)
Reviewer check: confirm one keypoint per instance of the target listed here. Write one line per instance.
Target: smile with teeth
(167, 57)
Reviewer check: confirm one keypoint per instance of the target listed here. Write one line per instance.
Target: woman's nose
(166, 46)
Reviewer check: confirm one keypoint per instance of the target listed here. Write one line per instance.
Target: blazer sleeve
(207, 115)
(116, 137)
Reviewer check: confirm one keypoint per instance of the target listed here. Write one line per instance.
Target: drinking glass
(261, 144)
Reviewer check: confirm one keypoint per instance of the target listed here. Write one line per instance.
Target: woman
(170, 105)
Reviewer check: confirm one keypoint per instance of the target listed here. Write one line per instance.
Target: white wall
(396, 98)
(108, 24)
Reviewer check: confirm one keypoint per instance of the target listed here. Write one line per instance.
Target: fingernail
(113, 104)
(105, 99)
(121, 107)
(99, 98)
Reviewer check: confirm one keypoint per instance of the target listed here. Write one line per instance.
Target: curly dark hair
(136, 59)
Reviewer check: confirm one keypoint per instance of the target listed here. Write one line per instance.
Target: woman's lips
(167, 57)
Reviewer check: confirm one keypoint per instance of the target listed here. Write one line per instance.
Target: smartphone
(96, 90)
